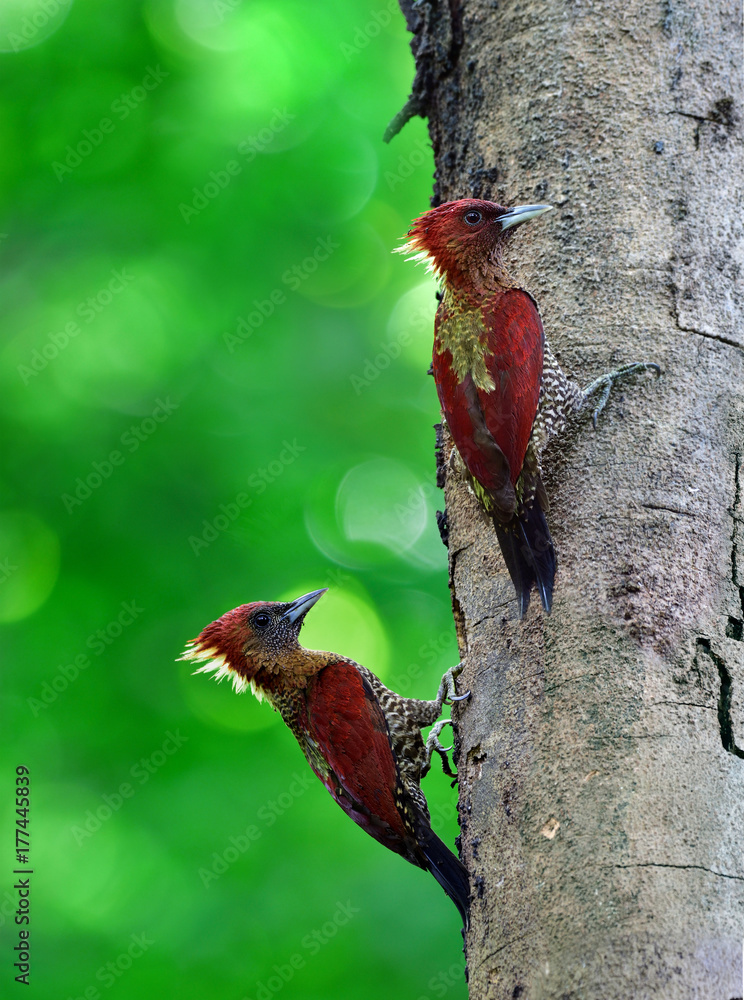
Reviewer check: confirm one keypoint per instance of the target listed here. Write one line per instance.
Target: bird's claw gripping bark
(447, 693)
(604, 384)
(433, 745)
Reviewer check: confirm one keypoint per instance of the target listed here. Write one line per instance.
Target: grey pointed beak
(302, 605)
(522, 213)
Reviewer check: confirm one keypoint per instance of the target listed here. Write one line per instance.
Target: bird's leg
(603, 385)
(447, 693)
(433, 745)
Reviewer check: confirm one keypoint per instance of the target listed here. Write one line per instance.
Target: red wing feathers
(513, 345)
(347, 723)
(465, 418)
(515, 342)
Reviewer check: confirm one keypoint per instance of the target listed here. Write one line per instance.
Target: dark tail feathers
(529, 554)
(448, 870)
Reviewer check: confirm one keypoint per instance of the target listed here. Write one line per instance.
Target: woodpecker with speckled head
(501, 390)
(362, 740)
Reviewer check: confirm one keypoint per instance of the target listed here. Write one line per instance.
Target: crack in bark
(697, 118)
(492, 954)
(725, 722)
(454, 554)
(709, 336)
(631, 736)
(500, 607)
(735, 626)
(672, 510)
(686, 704)
(485, 618)
(659, 864)
(569, 680)
(721, 338)
(722, 114)
(735, 507)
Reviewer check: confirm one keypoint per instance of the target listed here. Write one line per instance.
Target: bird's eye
(473, 218)
(262, 620)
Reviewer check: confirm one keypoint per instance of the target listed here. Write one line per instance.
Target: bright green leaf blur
(213, 390)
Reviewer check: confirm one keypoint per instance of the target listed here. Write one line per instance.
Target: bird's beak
(303, 604)
(522, 213)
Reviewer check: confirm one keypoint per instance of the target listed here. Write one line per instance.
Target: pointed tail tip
(529, 555)
(523, 600)
(450, 872)
(546, 597)
(545, 587)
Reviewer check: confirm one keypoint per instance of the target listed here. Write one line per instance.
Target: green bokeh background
(169, 169)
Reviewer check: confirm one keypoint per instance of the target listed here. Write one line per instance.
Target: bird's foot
(433, 745)
(603, 385)
(447, 693)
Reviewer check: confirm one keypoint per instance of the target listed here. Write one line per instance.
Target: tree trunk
(601, 755)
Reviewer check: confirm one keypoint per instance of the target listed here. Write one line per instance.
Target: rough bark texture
(601, 755)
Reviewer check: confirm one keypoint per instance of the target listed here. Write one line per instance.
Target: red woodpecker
(502, 392)
(362, 740)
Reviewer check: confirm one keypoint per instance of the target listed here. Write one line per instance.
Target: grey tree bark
(601, 755)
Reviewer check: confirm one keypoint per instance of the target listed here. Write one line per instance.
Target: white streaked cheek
(215, 663)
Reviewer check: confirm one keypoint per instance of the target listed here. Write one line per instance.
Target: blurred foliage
(213, 391)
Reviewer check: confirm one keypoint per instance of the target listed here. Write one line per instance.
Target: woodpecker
(362, 740)
(501, 390)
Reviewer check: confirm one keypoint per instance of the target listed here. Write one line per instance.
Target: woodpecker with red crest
(502, 391)
(362, 740)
